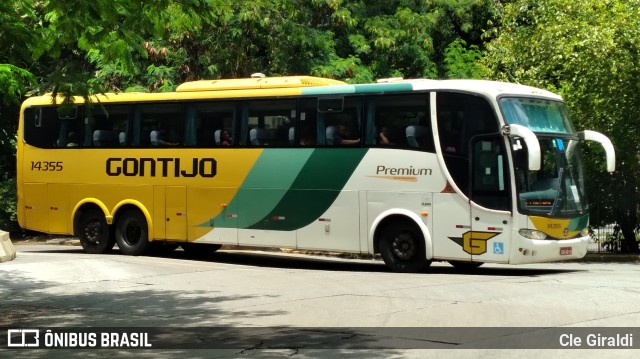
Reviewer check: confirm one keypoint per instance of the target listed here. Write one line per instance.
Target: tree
(588, 52)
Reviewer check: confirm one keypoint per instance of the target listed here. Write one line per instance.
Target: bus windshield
(557, 189)
(536, 114)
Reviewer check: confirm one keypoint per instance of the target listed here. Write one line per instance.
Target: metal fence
(607, 239)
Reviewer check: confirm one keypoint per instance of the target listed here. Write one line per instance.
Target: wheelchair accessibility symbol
(498, 248)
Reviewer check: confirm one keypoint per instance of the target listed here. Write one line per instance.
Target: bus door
(491, 218)
(176, 212)
(451, 215)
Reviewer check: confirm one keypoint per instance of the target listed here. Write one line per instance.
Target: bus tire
(199, 249)
(93, 231)
(465, 265)
(132, 233)
(402, 247)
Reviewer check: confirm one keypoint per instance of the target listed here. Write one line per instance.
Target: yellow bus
(464, 171)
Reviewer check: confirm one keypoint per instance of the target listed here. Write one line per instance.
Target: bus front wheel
(132, 234)
(94, 233)
(402, 247)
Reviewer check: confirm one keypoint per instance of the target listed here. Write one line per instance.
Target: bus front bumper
(537, 251)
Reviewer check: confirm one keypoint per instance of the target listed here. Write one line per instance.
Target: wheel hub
(404, 246)
(92, 232)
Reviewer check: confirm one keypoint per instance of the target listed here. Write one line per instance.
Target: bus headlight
(584, 232)
(532, 234)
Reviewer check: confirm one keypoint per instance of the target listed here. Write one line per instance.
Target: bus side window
(209, 124)
(106, 126)
(460, 118)
(341, 127)
(41, 127)
(401, 121)
(157, 125)
(306, 132)
(268, 122)
(489, 178)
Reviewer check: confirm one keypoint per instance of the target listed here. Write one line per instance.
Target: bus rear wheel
(93, 231)
(402, 247)
(132, 233)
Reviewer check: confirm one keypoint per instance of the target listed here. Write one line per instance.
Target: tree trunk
(627, 227)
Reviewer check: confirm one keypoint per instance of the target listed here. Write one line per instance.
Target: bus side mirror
(530, 139)
(606, 144)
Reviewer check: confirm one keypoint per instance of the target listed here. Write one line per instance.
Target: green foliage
(8, 199)
(461, 62)
(14, 82)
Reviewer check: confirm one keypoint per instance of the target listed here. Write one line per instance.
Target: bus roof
(256, 83)
(306, 86)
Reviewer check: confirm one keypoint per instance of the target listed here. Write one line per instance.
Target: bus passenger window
(157, 125)
(342, 136)
(342, 126)
(268, 122)
(400, 121)
(206, 123)
(107, 126)
(460, 118)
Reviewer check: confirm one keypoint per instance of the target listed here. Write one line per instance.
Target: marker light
(532, 234)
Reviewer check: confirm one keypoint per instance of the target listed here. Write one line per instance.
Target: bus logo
(474, 243)
(21, 338)
(165, 167)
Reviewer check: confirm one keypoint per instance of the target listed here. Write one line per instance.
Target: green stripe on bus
(314, 191)
(350, 89)
(578, 224)
(374, 88)
(268, 181)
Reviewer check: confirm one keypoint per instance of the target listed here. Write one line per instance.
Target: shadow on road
(272, 259)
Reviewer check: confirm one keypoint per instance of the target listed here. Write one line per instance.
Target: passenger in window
(306, 139)
(383, 136)
(73, 140)
(342, 137)
(225, 138)
(163, 139)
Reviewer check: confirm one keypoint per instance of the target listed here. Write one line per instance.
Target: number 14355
(46, 166)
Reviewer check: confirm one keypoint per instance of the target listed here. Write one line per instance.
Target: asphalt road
(61, 286)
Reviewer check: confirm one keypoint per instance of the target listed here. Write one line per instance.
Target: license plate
(565, 251)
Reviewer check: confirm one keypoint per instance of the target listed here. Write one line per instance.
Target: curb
(7, 251)
(610, 258)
